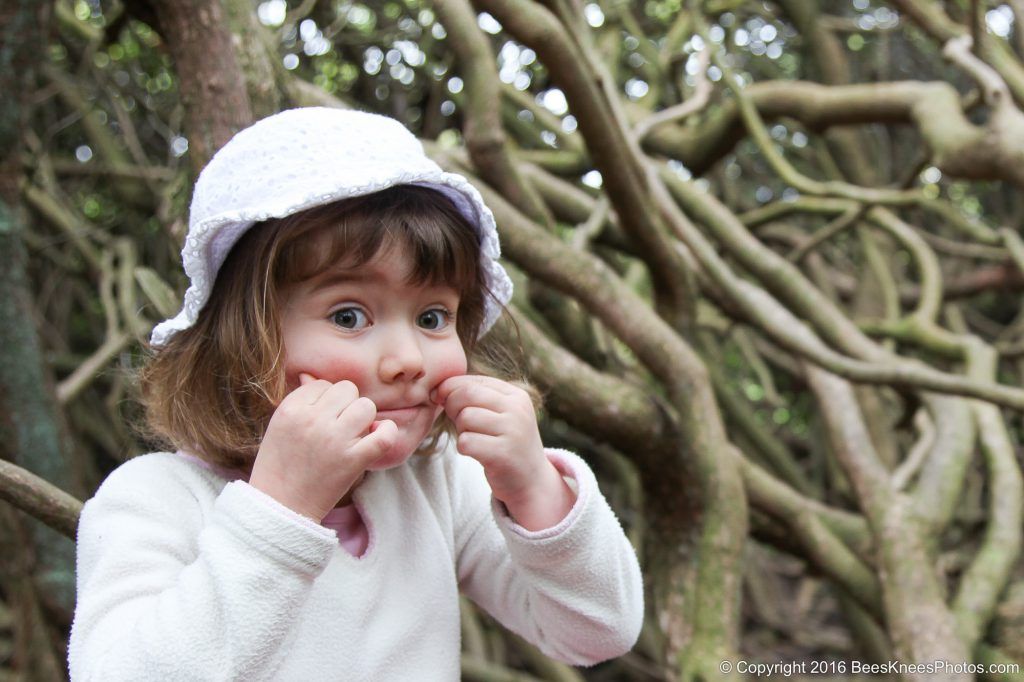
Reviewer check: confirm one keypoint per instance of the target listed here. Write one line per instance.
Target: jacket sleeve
(169, 591)
(573, 590)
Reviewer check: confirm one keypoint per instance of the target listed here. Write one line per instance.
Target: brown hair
(214, 386)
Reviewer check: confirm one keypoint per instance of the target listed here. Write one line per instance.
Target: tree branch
(993, 566)
(787, 330)
(613, 155)
(922, 627)
(485, 136)
(37, 498)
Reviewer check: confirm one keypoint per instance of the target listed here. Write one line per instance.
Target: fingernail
(433, 396)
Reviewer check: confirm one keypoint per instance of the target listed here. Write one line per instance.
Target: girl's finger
(477, 395)
(376, 444)
(311, 390)
(355, 419)
(480, 446)
(450, 384)
(337, 397)
(480, 420)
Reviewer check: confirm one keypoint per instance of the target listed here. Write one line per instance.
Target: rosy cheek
(450, 365)
(328, 369)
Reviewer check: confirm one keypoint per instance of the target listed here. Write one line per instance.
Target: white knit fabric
(183, 575)
(308, 157)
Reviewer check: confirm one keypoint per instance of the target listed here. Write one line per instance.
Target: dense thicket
(768, 258)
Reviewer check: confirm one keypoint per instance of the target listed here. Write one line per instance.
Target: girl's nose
(402, 359)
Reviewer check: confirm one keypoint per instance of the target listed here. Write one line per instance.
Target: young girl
(340, 282)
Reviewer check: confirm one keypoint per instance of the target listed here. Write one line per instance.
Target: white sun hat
(308, 157)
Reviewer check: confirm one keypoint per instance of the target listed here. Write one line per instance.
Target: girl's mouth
(401, 415)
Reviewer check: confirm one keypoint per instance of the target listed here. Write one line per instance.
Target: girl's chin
(396, 457)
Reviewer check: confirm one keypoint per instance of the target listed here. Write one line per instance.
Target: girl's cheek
(329, 370)
(451, 365)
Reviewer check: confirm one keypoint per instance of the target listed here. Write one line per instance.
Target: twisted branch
(39, 499)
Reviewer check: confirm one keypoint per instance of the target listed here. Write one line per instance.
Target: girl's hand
(318, 444)
(498, 428)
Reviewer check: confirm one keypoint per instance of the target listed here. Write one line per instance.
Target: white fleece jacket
(185, 576)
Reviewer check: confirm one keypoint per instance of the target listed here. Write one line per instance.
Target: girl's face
(396, 342)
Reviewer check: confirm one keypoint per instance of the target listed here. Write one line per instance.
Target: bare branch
(958, 51)
(791, 333)
(992, 567)
(923, 628)
(610, 148)
(697, 101)
(485, 136)
(39, 499)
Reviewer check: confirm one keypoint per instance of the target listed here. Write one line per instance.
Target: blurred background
(768, 263)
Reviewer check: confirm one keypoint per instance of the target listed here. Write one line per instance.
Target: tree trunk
(211, 83)
(32, 432)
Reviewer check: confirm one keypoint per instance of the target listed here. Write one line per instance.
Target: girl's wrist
(270, 487)
(544, 503)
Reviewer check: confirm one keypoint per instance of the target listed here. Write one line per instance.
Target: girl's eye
(350, 318)
(434, 319)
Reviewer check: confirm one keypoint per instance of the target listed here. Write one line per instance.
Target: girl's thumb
(305, 379)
